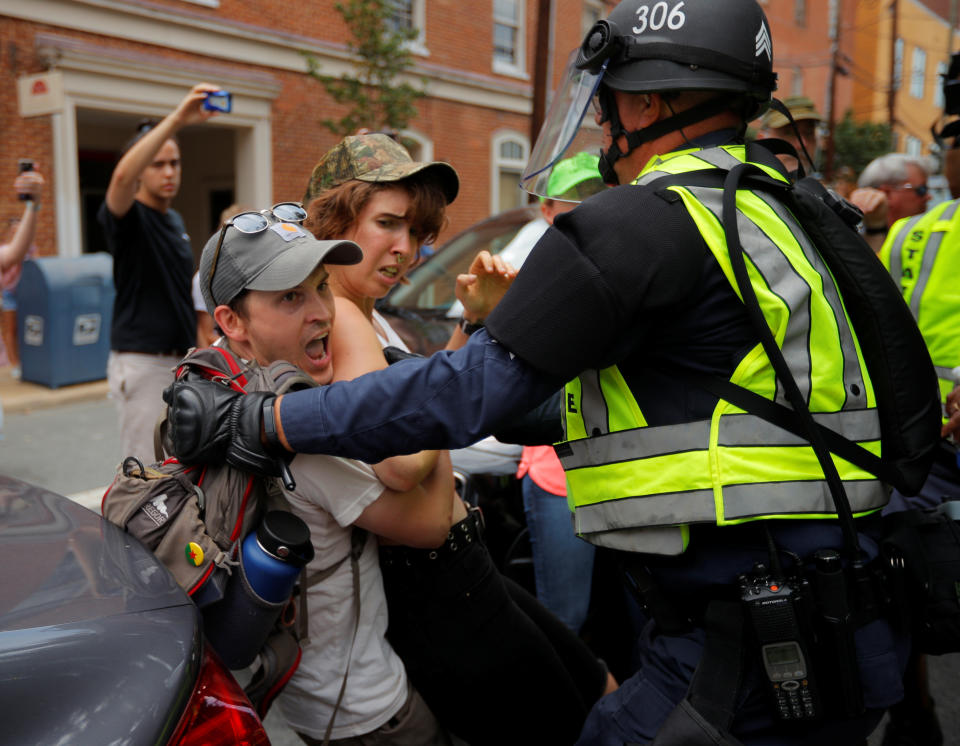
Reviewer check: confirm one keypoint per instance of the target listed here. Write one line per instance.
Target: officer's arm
(449, 400)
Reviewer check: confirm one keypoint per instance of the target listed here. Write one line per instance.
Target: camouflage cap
(800, 108)
(376, 158)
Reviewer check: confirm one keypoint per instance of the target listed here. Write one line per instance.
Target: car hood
(97, 642)
(63, 563)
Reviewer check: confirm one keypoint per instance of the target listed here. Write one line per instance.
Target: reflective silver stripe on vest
(855, 390)
(593, 407)
(896, 250)
(783, 280)
(944, 373)
(739, 501)
(929, 257)
(720, 158)
(749, 430)
(635, 444)
(650, 540)
(667, 509)
(797, 498)
(743, 430)
(653, 176)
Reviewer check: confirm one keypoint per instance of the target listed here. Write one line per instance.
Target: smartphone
(218, 101)
(24, 164)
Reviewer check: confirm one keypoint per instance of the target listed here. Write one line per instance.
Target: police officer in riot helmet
(671, 48)
(631, 303)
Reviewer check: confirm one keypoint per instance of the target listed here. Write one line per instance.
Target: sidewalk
(18, 397)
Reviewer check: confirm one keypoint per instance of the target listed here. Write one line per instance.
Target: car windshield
(432, 284)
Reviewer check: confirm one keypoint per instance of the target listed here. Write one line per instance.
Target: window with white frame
(409, 14)
(938, 99)
(796, 82)
(800, 12)
(918, 72)
(508, 17)
(418, 145)
(913, 145)
(510, 153)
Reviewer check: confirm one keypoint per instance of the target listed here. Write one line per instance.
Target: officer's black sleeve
(596, 278)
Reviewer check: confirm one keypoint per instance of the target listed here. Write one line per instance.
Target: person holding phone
(154, 323)
(28, 185)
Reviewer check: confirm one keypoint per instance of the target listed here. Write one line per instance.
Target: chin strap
(635, 139)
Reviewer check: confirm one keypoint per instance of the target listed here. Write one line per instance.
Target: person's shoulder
(618, 197)
(130, 219)
(176, 218)
(615, 222)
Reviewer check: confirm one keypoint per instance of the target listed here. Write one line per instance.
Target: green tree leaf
(381, 53)
(857, 143)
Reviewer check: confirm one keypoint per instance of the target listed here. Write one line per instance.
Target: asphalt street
(75, 449)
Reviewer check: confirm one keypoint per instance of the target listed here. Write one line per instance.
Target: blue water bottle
(271, 558)
(273, 555)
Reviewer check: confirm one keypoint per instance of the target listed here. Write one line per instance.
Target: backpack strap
(787, 419)
(704, 716)
(358, 540)
(811, 431)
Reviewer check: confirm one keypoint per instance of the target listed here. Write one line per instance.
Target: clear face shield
(569, 130)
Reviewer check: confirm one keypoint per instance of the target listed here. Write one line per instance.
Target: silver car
(98, 644)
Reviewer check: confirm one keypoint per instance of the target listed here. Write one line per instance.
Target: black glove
(396, 354)
(210, 423)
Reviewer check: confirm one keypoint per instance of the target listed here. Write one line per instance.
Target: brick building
(803, 50)
(902, 49)
(88, 70)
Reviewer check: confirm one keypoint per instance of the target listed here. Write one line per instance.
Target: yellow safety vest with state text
(922, 253)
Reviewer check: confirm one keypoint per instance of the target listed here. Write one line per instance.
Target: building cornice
(191, 31)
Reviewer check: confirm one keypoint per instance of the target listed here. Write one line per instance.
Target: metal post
(892, 93)
(834, 36)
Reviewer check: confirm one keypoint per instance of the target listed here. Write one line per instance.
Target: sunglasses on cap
(256, 222)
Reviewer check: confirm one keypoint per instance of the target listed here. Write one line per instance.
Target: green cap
(800, 108)
(376, 158)
(575, 178)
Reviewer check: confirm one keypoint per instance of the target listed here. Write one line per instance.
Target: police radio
(781, 613)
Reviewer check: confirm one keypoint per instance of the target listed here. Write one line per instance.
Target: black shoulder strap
(715, 178)
(811, 432)
(704, 716)
(790, 421)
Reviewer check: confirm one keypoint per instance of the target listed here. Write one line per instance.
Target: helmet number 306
(657, 16)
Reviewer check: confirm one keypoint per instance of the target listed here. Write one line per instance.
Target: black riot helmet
(657, 46)
(696, 45)
(693, 45)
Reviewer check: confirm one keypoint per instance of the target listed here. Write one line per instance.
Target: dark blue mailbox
(64, 307)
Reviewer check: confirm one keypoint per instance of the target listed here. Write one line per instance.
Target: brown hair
(333, 212)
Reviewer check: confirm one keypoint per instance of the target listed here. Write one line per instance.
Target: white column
(254, 166)
(66, 178)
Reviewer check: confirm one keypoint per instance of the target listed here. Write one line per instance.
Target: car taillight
(218, 711)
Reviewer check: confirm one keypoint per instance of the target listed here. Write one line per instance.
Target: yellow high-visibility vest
(922, 253)
(638, 487)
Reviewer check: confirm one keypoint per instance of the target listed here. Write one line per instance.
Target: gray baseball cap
(279, 257)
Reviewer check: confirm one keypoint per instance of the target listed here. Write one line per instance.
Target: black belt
(462, 534)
